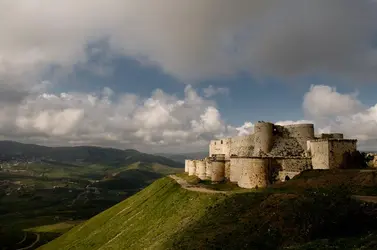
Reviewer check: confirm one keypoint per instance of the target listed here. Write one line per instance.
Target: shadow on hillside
(299, 213)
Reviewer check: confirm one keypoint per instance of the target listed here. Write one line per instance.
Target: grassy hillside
(146, 220)
(298, 215)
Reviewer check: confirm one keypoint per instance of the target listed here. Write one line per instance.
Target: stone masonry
(271, 153)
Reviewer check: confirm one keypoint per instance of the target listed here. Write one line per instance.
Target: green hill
(298, 216)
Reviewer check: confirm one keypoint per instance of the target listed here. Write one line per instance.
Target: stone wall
(208, 169)
(236, 165)
(222, 146)
(242, 146)
(295, 164)
(227, 170)
(286, 147)
(337, 151)
(286, 175)
(319, 151)
(330, 153)
(254, 173)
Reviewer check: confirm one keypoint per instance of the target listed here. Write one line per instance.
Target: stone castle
(270, 154)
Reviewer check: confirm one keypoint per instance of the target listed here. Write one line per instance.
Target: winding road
(32, 244)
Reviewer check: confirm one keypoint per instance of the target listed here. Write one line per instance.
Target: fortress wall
(242, 146)
(218, 171)
(284, 175)
(227, 170)
(263, 137)
(191, 167)
(295, 164)
(319, 150)
(201, 169)
(337, 150)
(254, 173)
(286, 147)
(236, 165)
(208, 169)
(302, 132)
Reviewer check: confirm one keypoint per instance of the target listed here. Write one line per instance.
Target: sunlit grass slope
(148, 220)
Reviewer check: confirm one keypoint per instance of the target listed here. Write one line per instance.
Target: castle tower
(201, 169)
(208, 169)
(301, 132)
(218, 168)
(197, 163)
(254, 173)
(263, 137)
(191, 167)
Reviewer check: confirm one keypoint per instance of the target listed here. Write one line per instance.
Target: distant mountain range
(182, 157)
(81, 155)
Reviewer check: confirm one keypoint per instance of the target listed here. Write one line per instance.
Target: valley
(43, 196)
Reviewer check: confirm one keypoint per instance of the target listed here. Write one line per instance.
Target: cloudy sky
(169, 75)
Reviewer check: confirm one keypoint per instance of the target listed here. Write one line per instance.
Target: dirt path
(32, 244)
(23, 239)
(372, 199)
(184, 184)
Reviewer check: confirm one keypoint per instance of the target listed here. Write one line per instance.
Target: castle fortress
(271, 153)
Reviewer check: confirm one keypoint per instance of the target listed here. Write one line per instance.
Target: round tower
(192, 167)
(227, 170)
(235, 169)
(254, 173)
(263, 137)
(301, 132)
(197, 167)
(218, 169)
(186, 166)
(208, 169)
(201, 169)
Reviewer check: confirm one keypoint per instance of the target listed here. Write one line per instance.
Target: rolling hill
(81, 155)
(294, 216)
